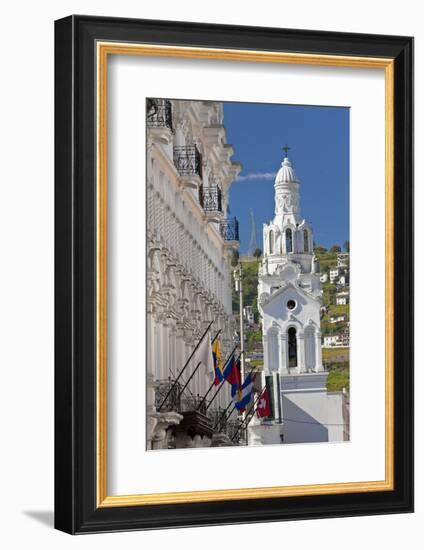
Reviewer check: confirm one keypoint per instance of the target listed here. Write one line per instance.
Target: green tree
(257, 253)
(335, 249)
(346, 246)
(319, 249)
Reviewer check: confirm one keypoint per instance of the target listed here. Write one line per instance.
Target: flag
(245, 393)
(217, 363)
(232, 374)
(204, 355)
(263, 408)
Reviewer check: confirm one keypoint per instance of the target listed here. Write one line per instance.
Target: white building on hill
(342, 259)
(342, 298)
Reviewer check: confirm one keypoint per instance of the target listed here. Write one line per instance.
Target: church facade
(289, 301)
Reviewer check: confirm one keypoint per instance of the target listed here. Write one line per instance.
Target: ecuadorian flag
(217, 362)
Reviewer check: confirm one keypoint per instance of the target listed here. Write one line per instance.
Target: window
(292, 345)
(271, 242)
(305, 240)
(289, 240)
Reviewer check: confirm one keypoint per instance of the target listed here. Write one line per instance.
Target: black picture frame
(76, 508)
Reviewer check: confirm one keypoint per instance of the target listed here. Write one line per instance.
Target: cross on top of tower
(286, 149)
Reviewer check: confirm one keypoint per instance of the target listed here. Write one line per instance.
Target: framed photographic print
(233, 274)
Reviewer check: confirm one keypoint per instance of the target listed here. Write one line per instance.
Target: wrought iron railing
(229, 229)
(170, 397)
(187, 160)
(236, 430)
(218, 419)
(172, 392)
(190, 403)
(210, 198)
(159, 113)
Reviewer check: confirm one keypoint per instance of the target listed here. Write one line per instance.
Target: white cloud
(257, 176)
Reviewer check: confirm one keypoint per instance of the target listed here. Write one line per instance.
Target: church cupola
(286, 192)
(286, 173)
(288, 237)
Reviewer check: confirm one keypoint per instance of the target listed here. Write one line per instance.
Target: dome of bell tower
(286, 173)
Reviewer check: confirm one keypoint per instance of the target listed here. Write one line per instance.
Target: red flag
(263, 408)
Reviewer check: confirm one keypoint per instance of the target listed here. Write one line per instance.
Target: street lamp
(238, 284)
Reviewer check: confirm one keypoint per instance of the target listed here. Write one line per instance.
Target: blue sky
(319, 141)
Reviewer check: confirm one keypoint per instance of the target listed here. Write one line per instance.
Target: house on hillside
(337, 318)
(324, 278)
(342, 259)
(248, 315)
(337, 340)
(342, 298)
(334, 274)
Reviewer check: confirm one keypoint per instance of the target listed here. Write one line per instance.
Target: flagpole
(213, 382)
(228, 406)
(191, 376)
(247, 415)
(252, 370)
(238, 282)
(185, 366)
(223, 415)
(222, 383)
(182, 380)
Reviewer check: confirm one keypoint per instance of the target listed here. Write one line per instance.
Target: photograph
(233, 267)
(247, 274)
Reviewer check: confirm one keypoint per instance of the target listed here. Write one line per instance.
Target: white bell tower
(289, 288)
(289, 300)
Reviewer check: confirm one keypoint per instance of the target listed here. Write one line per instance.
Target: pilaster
(300, 344)
(284, 354)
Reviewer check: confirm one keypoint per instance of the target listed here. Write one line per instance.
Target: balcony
(159, 113)
(188, 162)
(170, 397)
(229, 230)
(210, 199)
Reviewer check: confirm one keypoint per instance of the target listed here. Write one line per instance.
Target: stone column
(300, 344)
(284, 354)
(151, 414)
(277, 397)
(318, 352)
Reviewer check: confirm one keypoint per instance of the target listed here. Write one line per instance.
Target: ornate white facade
(189, 248)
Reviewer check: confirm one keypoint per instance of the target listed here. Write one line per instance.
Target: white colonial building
(342, 298)
(189, 249)
(289, 298)
(343, 259)
(334, 274)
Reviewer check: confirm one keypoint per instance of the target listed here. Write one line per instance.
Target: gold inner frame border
(103, 50)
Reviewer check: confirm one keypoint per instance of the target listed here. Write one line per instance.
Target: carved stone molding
(159, 423)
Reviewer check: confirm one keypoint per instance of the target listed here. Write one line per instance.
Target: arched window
(271, 242)
(289, 240)
(305, 240)
(292, 345)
